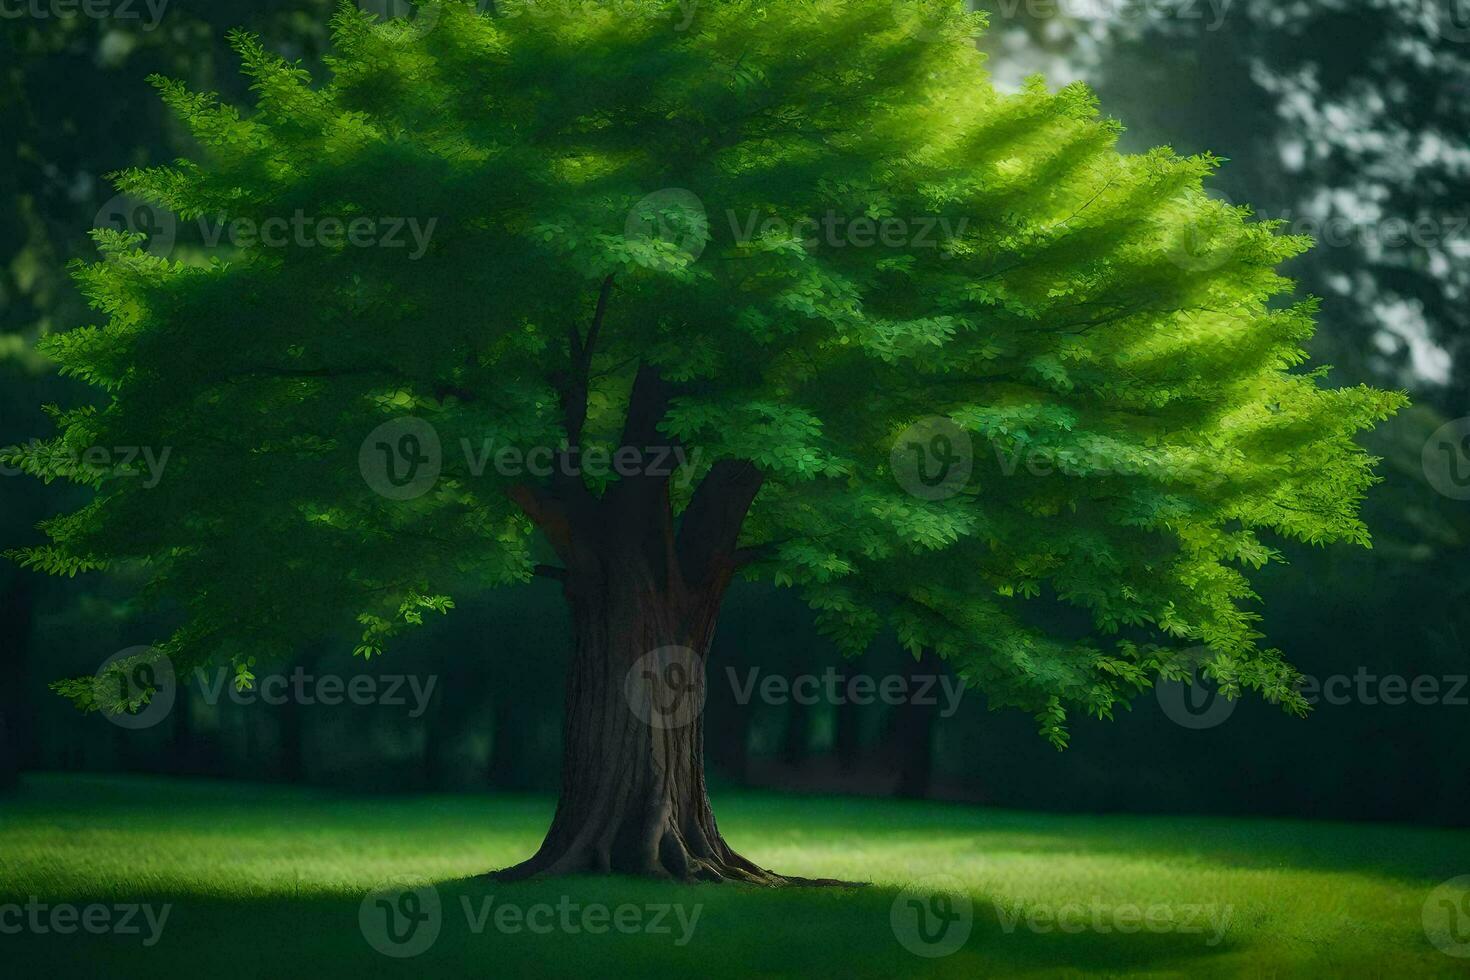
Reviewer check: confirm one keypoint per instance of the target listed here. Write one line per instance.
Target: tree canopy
(845, 255)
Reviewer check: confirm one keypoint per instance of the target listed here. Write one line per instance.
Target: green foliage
(1108, 337)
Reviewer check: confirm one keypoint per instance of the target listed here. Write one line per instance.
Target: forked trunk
(644, 598)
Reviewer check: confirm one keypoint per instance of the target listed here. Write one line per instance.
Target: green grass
(269, 882)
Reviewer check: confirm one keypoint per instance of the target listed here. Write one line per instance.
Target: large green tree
(937, 357)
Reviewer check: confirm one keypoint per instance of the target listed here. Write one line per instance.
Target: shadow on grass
(592, 926)
(270, 881)
(1417, 855)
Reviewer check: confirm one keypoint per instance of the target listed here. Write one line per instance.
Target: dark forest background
(1343, 119)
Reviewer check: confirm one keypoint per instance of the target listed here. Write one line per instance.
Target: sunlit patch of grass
(268, 881)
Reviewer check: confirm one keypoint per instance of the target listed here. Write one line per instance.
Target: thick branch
(575, 386)
(603, 295)
(547, 513)
(712, 522)
(648, 403)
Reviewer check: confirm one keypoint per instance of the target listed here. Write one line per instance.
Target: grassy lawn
(262, 881)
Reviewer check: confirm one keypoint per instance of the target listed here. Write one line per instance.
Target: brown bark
(633, 795)
(644, 598)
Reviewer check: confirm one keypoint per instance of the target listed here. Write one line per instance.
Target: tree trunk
(633, 796)
(18, 748)
(508, 769)
(912, 733)
(643, 598)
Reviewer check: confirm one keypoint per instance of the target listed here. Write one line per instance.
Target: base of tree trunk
(669, 840)
(740, 873)
(633, 795)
